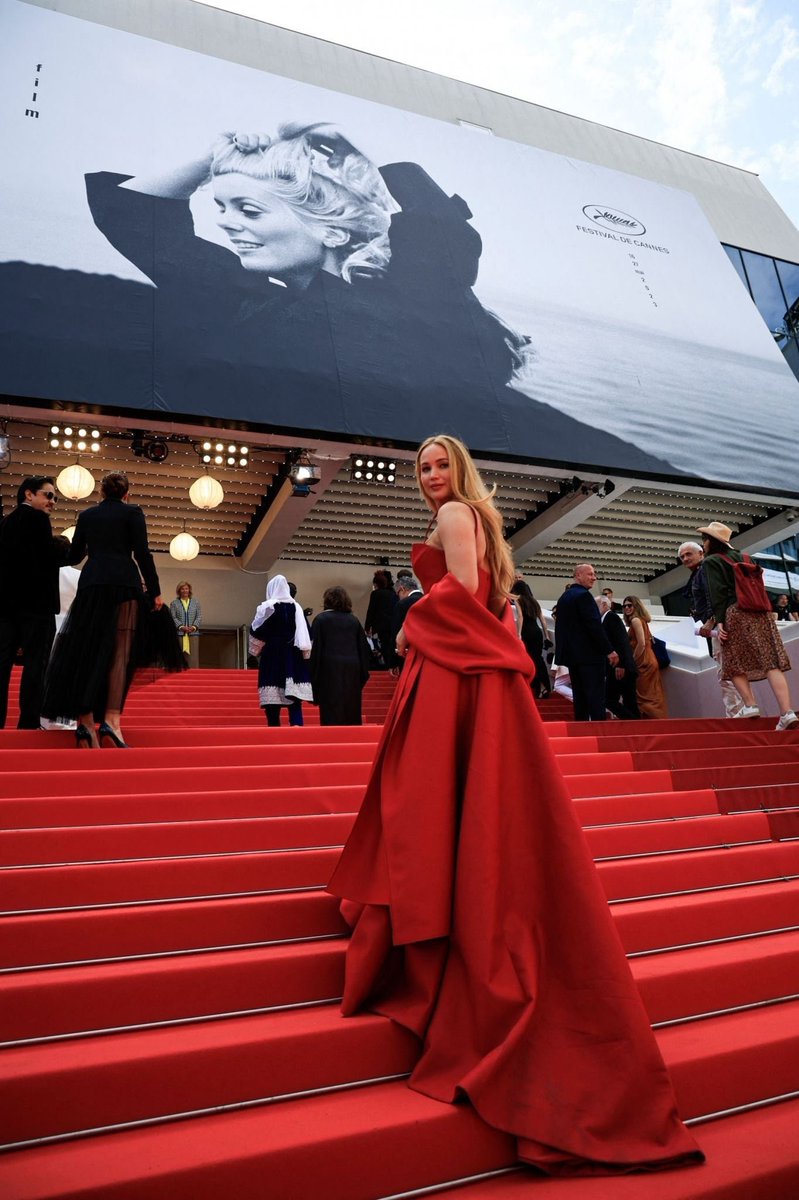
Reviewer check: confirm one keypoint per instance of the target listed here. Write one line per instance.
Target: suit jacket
(617, 635)
(30, 557)
(188, 616)
(579, 636)
(110, 533)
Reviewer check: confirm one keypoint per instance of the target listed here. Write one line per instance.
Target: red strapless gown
(478, 918)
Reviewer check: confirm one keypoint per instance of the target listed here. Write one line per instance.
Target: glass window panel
(766, 290)
(789, 274)
(734, 255)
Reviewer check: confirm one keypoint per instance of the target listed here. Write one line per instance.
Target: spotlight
(302, 473)
(156, 451)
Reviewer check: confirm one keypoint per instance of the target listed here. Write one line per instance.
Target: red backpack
(750, 591)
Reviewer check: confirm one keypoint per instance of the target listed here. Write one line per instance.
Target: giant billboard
(182, 234)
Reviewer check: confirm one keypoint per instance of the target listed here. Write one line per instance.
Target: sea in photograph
(710, 412)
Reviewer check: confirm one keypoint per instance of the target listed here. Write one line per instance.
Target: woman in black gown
(108, 632)
(532, 634)
(339, 660)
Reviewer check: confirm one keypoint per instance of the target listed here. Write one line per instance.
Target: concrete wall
(738, 206)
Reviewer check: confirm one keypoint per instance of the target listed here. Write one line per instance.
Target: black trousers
(34, 635)
(588, 686)
(621, 696)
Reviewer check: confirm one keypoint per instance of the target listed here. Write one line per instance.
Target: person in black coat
(620, 694)
(339, 660)
(532, 634)
(380, 614)
(582, 646)
(30, 558)
(408, 592)
(106, 634)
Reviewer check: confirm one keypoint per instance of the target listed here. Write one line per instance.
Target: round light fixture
(68, 533)
(75, 482)
(184, 547)
(206, 492)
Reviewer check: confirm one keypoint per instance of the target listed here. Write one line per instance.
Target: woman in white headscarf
(279, 638)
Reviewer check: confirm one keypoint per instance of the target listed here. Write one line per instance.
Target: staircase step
(112, 932)
(659, 874)
(124, 808)
(74, 1085)
(732, 912)
(651, 837)
(94, 782)
(343, 1146)
(710, 978)
(68, 1000)
(30, 888)
(155, 839)
(750, 1156)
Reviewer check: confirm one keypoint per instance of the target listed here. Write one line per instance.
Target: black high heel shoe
(105, 731)
(83, 737)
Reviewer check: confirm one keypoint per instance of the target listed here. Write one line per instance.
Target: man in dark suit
(409, 592)
(620, 696)
(581, 645)
(30, 557)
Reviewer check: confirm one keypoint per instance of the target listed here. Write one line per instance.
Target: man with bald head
(582, 645)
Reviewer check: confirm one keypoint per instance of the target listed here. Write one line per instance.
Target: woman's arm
(141, 552)
(457, 532)
(178, 184)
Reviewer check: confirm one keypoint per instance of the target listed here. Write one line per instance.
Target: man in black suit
(30, 557)
(620, 695)
(409, 592)
(581, 645)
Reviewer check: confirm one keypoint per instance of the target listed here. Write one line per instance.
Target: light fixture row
(74, 437)
(227, 454)
(371, 469)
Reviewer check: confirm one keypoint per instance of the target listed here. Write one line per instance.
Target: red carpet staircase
(171, 962)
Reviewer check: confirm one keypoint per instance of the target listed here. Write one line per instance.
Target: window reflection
(765, 287)
(773, 284)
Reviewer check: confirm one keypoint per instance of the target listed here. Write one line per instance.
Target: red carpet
(170, 961)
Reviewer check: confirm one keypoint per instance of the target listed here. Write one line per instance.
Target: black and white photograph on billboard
(184, 234)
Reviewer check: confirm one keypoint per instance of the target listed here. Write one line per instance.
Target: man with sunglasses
(30, 558)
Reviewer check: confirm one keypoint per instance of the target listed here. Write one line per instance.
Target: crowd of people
(604, 657)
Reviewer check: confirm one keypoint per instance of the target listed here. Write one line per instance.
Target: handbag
(661, 652)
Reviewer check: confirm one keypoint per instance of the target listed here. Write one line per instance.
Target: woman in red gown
(478, 918)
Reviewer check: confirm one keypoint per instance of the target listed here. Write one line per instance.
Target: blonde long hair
(468, 487)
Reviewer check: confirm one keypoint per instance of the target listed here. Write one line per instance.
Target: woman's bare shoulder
(454, 511)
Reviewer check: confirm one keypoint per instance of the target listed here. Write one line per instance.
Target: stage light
(156, 451)
(372, 470)
(61, 437)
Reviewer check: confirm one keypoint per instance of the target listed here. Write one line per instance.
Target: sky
(717, 77)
